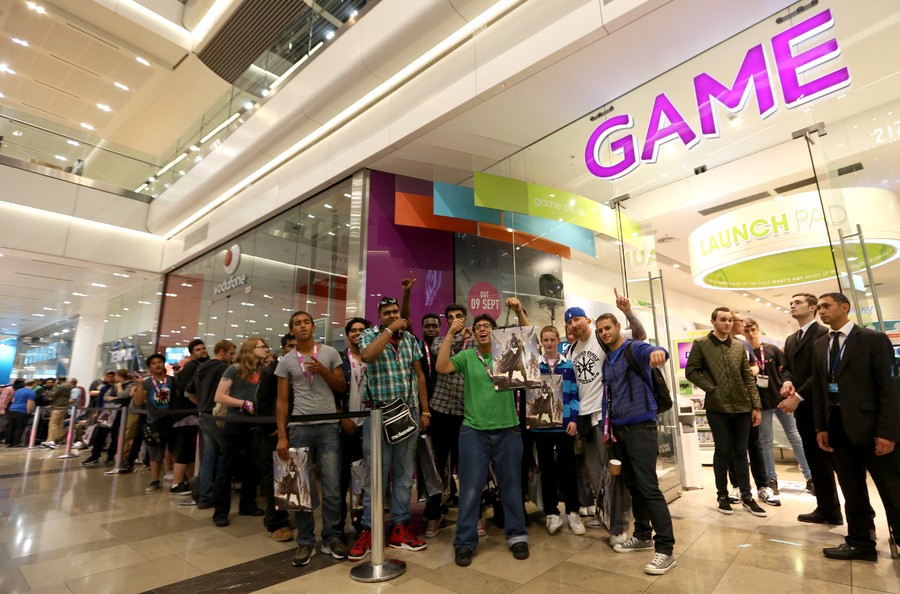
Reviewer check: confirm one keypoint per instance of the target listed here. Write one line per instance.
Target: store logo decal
(232, 259)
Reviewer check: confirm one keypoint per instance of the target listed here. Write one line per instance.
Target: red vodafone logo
(232, 259)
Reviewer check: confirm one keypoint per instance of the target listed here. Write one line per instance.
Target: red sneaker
(403, 538)
(363, 546)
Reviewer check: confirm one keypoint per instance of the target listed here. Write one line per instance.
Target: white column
(88, 336)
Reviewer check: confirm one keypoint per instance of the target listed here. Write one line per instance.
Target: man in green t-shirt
(490, 433)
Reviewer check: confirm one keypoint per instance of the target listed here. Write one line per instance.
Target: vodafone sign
(232, 259)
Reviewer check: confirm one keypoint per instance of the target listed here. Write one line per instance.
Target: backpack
(658, 388)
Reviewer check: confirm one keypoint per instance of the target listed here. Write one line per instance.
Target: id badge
(833, 388)
(762, 381)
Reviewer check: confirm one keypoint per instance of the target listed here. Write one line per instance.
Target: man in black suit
(797, 394)
(856, 406)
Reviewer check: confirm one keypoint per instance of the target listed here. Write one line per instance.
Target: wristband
(426, 414)
(390, 332)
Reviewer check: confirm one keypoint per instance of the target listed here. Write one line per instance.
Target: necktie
(835, 352)
(799, 335)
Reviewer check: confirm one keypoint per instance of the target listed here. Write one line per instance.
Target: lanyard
(427, 355)
(487, 367)
(160, 397)
(833, 364)
(358, 370)
(551, 367)
(309, 375)
(762, 358)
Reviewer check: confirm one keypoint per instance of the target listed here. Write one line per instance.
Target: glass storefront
(129, 328)
(250, 285)
(46, 352)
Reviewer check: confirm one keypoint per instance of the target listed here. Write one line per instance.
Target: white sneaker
(575, 523)
(168, 476)
(767, 495)
(617, 539)
(554, 523)
(734, 496)
(585, 512)
(78, 445)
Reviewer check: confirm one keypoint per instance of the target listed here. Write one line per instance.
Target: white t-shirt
(357, 387)
(587, 358)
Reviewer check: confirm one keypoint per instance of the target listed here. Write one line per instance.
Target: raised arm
(516, 305)
(373, 350)
(624, 304)
(407, 283)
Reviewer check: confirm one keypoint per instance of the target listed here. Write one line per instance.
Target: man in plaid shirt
(393, 370)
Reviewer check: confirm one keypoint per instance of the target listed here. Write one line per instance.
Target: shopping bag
(535, 492)
(293, 488)
(357, 482)
(428, 478)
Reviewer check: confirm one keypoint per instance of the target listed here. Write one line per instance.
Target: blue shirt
(20, 400)
(569, 390)
(629, 399)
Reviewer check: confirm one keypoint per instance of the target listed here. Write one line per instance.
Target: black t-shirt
(205, 381)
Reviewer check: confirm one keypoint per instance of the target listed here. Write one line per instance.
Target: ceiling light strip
(369, 99)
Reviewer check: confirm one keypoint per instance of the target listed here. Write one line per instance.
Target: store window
(249, 286)
(129, 328)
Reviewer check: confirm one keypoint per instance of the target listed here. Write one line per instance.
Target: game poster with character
(544, 404)
(515, 358)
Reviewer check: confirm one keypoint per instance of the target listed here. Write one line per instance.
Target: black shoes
(181, 488)
(751, 506)
(817, 517)
(91, 462)
(258, 512)
(725, 506)
(848, 552)
(464, 556)
(810, 486)
(520, 550)
(220, 521)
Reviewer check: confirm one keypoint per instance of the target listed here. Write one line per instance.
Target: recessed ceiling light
(21, 42)
(121, 86)
(121, 275)
(48, 309)
(2, 95)
(330, 34)
(36, 7)
(141, 60)
(17, 133)
(39, 315)
(186, 285)
(326, 205)
(5, 68)
(73, 142)
(248, 105)
(59, 158)
(86, 126)
(67, 302)
(676, 265)
(104, 107)
(99, 285)
(76, 294)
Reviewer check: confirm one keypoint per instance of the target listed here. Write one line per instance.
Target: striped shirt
(448, 388)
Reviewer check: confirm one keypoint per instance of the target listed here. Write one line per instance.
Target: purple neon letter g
(626, 146)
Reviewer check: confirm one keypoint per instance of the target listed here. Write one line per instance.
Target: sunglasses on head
(385, 301)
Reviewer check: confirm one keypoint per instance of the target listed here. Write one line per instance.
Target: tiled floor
(68, 529)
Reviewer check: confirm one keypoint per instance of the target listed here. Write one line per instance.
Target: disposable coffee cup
(615, 467)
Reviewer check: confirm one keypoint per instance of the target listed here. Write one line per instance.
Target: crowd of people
(834, 394)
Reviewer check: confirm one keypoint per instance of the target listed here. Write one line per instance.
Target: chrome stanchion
(69, 433)
(379, 569)
(34, 426)
(123, 426)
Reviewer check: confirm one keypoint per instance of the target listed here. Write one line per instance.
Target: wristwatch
(426, 414)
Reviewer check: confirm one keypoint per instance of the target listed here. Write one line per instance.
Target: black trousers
(556, 461)
(853, 460)
(264, 447)
(730, 432)
(444, 431)
(351, 451)
(239, 439)
(757, 462)
(821, 463)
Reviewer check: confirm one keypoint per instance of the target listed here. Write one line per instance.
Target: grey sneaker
(336, 548)
(633, 544)
(303, 555)
(660, 564)
(153, 486)
(773, 484)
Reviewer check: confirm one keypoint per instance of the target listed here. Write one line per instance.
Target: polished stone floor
(67, 529)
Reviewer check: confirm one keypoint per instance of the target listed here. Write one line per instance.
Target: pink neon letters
(667, 123)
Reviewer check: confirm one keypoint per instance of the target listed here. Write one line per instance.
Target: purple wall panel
(394, 250)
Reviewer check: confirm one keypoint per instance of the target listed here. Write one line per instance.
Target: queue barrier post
(36, 421)
(379, 569)
(69, 434)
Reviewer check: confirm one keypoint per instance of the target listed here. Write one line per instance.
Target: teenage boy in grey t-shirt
(313, 371)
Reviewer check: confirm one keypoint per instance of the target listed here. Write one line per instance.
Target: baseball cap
(574, 312)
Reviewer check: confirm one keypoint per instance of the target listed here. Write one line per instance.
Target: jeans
(730, 432)
(477, 449)
(398, 461)
(637, 447)
(557, 472)
(351, 451)
(324, 443)
(444, 431)
(210, 455)
(767, 441)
